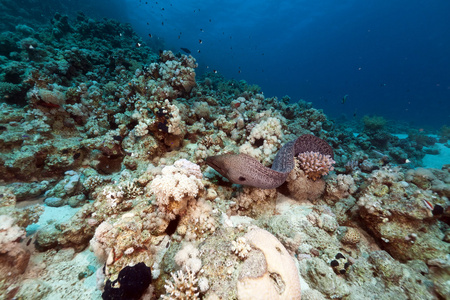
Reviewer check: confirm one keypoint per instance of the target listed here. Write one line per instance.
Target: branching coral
(183, 287)
(176, 186)
(315, 165)
(264, 140)
(240, 247)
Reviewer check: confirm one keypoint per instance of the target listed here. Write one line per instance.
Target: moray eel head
(229, 166)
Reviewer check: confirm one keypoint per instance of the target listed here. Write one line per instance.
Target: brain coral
(272, 275)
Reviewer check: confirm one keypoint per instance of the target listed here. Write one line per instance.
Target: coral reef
(105, 185)
(397, 213)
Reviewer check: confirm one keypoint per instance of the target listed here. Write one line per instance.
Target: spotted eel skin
(246, 170)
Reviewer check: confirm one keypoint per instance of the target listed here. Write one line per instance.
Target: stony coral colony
(120, 134)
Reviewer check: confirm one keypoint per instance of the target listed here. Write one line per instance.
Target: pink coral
(315, 165)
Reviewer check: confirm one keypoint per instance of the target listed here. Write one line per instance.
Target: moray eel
(246, 170)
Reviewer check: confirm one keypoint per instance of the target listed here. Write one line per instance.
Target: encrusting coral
(387, 203)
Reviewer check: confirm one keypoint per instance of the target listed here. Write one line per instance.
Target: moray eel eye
(241, 178)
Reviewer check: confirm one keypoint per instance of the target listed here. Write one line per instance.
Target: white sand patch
(52, 215)
(437, 161)
(401, 135)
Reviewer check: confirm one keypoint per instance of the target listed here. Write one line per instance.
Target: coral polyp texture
(182, 286)
(176, 187)
(315, 164)
(125, 172)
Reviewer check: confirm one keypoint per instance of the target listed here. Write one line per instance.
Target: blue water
(390, 57)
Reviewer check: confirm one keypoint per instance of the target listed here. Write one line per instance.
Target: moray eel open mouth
(246, 170)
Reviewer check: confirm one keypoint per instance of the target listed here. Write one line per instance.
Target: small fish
(407, 161)
(162, 23)
(138, 45)
(200, 41)
(29, 241)
(198, 51)
(344, 99)
(186, 50)
(31, 47)
(428, 204)
(120, 34)
(149, 35)
(215, 71)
